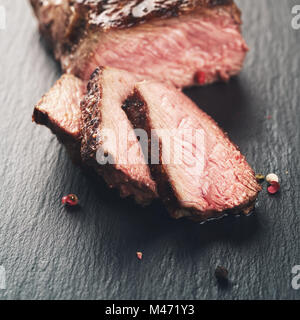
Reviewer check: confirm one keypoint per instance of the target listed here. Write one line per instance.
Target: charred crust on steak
(136, 110)
(71, 143)
(65, 23)
(91, 117)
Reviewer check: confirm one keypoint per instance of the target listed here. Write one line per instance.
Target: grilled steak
(109, 143)
(183, 42)
(199, 172)
(60, 110)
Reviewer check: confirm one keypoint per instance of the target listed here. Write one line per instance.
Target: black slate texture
(90, 253)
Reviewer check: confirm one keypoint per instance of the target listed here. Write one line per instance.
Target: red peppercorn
(200, 77)
(70, 200)
(139, 255)
(273, 187)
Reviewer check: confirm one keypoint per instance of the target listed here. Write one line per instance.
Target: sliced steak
(120, 161)
(199, 171)
(183, 42)
(60, 110)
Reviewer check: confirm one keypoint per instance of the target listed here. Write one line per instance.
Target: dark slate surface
(50, 253)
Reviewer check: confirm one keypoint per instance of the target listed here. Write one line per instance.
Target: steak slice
(183, 42)
(60, 110)
(212, 177)
(108, 135)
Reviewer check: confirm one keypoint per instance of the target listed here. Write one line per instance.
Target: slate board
(90, 253)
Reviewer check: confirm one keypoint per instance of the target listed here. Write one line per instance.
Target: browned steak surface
(108, 14)
(191, 42)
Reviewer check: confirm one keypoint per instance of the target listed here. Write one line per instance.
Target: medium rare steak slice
(109, 143)
(60, 110)
(201, 173)
(183, 42)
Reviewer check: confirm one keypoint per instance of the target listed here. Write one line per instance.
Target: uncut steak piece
(183, 42)
(60, 111)
(199, 172)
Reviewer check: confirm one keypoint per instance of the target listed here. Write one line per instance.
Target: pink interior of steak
(59, 110)
(184, 50)
(116, 86)
(218, 178)
(120, 143)
(60, 107)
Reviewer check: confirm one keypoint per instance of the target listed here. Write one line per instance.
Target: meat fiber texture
(180, 42)
(60, 110)
(199, 172)
(109, 144)
(212, 179)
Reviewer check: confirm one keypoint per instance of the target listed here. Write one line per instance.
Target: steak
(183, 42)
(199, 172)
(60, 110)
(109, 144)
